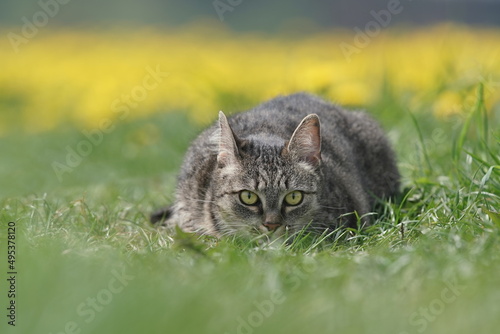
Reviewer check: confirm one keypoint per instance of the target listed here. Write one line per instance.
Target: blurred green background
(100, 100)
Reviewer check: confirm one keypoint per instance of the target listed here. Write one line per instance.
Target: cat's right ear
(228, 149)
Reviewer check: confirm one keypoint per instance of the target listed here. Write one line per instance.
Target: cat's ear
(305, 143)
(228, 148)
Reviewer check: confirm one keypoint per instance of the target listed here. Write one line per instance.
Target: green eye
(248, 198)
(294, 198)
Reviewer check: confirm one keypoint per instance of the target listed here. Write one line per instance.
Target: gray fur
(346, 170)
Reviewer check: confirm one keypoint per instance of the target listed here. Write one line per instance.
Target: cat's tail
(160, 217)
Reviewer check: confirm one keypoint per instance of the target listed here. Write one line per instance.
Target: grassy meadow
(93, 128)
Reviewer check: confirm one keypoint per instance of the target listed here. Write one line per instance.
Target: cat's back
(281, 115)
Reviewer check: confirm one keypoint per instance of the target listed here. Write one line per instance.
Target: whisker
(196, 200)
(333, 207)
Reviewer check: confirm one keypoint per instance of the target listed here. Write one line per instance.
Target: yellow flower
(448, 103)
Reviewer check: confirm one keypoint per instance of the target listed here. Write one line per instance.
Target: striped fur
(341, 161)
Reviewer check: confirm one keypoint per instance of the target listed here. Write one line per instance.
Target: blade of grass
(422, 143)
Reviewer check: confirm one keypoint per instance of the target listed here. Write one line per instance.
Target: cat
(293, 162)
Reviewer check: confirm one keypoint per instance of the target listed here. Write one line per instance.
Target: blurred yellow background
(86, 76)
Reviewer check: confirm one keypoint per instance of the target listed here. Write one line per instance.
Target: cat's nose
(272, 226)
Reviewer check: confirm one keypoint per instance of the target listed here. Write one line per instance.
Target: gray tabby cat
(271, 171)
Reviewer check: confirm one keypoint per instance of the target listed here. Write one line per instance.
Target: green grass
(430, 264)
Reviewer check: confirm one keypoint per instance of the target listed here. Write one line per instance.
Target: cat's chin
(266, 238)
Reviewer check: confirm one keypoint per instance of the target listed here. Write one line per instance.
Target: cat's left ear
(228, 148)
(305, 143)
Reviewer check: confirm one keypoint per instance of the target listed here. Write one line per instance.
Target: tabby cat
(293, 162)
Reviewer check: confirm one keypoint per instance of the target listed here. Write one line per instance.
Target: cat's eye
(294, 198)
(248, 198)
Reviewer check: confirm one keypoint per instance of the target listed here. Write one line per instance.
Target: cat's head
(264, 185)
